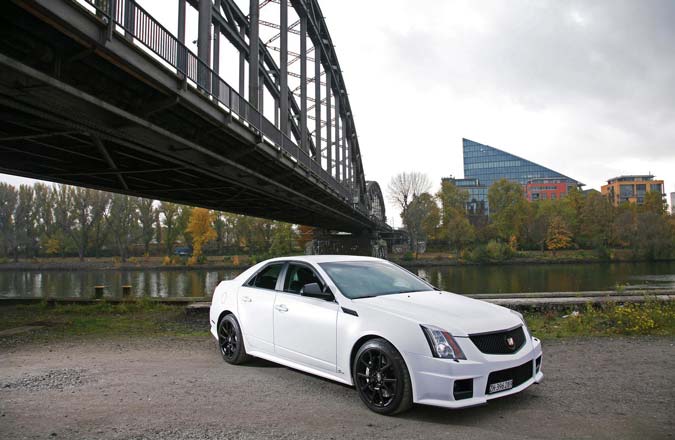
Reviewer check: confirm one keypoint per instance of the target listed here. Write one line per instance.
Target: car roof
(325, 258)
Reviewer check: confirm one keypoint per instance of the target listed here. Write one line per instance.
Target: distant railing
(138, 24)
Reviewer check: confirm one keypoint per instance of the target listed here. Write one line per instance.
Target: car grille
(519, 375)
(496, 342)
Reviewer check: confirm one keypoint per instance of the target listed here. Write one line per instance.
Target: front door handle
(281, 308)
(245, 299)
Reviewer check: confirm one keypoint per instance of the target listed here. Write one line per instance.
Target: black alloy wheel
(230, 341)
(381, 378)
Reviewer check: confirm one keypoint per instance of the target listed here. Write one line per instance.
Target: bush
(499, 251)
(493, 251)
(408, 256)
(650, 318)
(166, 261)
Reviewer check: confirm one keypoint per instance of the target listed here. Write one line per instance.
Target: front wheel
(381, 378)
(231, 341)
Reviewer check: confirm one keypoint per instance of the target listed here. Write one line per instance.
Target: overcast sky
(586, 88)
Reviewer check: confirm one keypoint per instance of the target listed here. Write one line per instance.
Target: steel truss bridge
(99, 93)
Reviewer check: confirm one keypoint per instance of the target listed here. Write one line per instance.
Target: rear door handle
(281, 308)
(245, 299)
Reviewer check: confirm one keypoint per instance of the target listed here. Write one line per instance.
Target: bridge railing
(139, 26)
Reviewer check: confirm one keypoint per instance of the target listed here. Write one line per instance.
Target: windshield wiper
(366, 296)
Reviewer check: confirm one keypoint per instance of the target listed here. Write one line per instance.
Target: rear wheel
(381, 378)
(231, 341)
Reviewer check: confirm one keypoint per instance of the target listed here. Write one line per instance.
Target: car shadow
(260, 363)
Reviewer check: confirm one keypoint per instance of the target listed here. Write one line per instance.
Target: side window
(267, 278)
(297, 276)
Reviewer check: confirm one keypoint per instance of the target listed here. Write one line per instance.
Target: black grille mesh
(495, 343)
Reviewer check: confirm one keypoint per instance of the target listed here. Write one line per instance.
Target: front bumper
(434, 379)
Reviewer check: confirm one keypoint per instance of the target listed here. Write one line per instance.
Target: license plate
(501, 386)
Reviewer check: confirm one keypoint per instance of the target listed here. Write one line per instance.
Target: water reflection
(80, 284)
(460, 279)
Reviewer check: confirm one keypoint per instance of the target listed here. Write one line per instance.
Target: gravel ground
(144, 388)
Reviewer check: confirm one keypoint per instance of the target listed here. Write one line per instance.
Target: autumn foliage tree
(201, 229)
(558, 235)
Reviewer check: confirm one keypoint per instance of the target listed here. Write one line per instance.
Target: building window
(626, 191)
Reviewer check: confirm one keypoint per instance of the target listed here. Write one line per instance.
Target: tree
(404, 187)
(595, 225)
(416, 215)
(123, 222)
(654, 203)
(558, 236)
(62, 197)
(283, 236)
(201, 230)
(170, 212)
(455, 226)
(44, 210)
(146, 216)
(507, 208)
(8, 198)
(25, 222)
(184, 214)
(82, 213)
(100, 206)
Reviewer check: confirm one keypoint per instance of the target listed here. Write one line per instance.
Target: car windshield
(364, 279)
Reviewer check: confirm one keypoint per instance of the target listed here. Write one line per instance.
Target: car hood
(458, 314)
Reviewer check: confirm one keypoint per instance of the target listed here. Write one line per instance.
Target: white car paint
(319, 337)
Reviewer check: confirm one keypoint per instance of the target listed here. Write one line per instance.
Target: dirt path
(156, 389)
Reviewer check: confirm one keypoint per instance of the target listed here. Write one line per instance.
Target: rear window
(267, 278)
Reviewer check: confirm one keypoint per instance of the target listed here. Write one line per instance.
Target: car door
(304, 327)
(255, 304)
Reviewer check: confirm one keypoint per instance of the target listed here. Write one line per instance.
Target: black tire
(381, 378)
(231, 341)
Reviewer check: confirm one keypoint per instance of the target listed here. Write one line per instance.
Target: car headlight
(442, 344)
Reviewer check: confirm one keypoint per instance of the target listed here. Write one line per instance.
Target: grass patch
(106, 319)
(649, 318)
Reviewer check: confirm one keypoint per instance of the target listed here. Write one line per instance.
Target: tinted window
(267, 278)
(359, 279)
(297, 276)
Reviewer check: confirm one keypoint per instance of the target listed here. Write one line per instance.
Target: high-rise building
(631, 189)
(485, 165)
(477, 201)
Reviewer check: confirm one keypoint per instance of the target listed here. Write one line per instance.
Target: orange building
(631, 189)
(549, 189)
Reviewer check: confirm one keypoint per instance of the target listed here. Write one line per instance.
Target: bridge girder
(340, 158)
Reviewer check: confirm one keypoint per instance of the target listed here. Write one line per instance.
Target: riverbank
(55, 321)
(242, 262)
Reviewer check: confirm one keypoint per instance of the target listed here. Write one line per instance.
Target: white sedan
(371, 324)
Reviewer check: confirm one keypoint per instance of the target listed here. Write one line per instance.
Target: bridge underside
(109, 116)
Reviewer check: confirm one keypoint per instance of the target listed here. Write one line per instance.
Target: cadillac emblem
(510, 342)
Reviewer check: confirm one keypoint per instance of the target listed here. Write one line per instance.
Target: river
(459, 279)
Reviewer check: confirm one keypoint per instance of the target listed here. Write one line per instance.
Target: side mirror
(313, 290)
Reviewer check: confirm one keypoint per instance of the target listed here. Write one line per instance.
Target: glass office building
(485, 165)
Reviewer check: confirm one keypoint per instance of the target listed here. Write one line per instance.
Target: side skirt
(296, 366)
